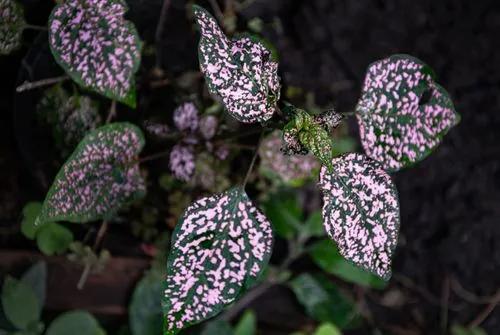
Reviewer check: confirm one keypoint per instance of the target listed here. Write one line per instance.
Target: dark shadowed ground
(450, 202)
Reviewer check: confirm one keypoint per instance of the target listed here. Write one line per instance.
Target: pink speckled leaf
(96, 46)
(99, 177)
(219, 248)
(11, 26)
(402, 113)
(239, 71)
(361, 211)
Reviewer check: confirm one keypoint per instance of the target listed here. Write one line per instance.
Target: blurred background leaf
(326, 255)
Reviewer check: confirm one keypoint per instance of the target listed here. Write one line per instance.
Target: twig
(445, 300)
(407, 282)
(84, 276)
(159, 30)
(486, 312)
(237, 134)
(217, 11)
(152, 157)
(29, 85)
(246, 300)
(88, 266)
(254, 158)
(100, 234)
(34, 27)
(112, 111)
(468, 296)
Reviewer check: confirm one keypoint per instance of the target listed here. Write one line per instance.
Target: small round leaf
(53, 238)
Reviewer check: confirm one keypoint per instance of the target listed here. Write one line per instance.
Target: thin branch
(468, 296)
(35, 27)
(84, 276)
(29, 85)
(152, 157)
(486, 312)
(254, 158)
(241, 304)
(112, 111)
(159, 30)
(100, 234)
(217, 11)
(88, 266)
(445, 300)
(407, 282)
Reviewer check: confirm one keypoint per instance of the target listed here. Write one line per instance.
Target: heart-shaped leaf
(99, 177)
(402, 114)
(361, 211)
(11, 26)
(219, 248)
(96, 46)
(239, 71)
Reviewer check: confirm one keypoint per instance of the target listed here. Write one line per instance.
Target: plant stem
(152, 157)
(486, 312)
(112, 111)
(84, 276)
(234, 310)
(88, 266)
(159, 30)
(29, 85)
(217, 11)
(235, 135)
(254, 158)
(35, 27)
(100, 234)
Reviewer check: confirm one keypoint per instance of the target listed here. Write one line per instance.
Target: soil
(450, 202)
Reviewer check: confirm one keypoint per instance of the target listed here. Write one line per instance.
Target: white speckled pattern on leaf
(98, 178)
(402, 113)
(96, 46)
(361, 211)
(239, 71)
(219, 247)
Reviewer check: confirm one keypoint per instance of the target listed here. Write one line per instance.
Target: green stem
(254, 158)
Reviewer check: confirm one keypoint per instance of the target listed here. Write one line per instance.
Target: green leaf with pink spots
(100, 176)
(12, 24)
(403, 113)
(361, 211)
(96, 46)
(219, 248)
(239, 71)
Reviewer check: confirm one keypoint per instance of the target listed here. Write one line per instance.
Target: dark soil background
(450, 203)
